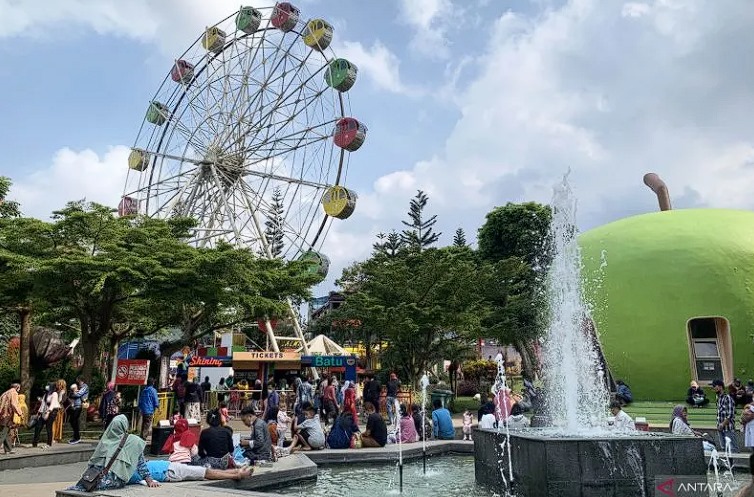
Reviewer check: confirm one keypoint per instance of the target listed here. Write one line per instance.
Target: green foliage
(389, 244)
(423, 304)
(479, 369)
(516, 230)
(459, 239)
(273, 230)
(8, 208)
(462, 403)
(420, 233)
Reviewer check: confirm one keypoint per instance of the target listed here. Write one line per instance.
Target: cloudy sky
(477, 102)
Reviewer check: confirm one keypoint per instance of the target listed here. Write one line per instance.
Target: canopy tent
(321, 345)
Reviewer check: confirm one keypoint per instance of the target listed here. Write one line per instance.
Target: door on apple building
(710, 349)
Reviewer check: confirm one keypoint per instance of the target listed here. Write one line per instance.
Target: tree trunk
(24, 314)
(90, 349)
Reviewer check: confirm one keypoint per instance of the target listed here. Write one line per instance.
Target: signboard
(132, 372)
(266, 356)
(332, 361)
(211, 362)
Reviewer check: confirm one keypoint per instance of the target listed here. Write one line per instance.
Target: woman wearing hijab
(349, 401)
(679, 425)
(130, 459)
(215, 443)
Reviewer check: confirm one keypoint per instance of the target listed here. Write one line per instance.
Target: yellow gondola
(214, 39)
(339, 202)
(318, 34)
(138, 159)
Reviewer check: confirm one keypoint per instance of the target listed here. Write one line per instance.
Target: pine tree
(419, 234)
(273, 231)
(389, 244)
(459, 239)
(7, 208)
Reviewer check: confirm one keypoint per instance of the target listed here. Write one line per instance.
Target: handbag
(33, 420)
(92, 476)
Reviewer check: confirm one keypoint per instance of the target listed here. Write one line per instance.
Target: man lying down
(171, 472)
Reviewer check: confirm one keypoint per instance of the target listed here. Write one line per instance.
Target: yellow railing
(165, 408)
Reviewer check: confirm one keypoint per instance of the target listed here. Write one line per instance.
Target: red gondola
(285, 16)
(182, 71)
(128, 206)
(350, 134)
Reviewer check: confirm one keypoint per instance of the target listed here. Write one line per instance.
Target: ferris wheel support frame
(291, 311)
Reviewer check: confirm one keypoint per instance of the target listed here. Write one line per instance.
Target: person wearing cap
(695, 396)
(726, 416)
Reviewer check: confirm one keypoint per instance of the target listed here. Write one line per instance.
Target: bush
(479, 370)
(467, 388)
(460, 404)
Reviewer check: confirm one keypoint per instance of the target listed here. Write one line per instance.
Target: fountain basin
(546, 464)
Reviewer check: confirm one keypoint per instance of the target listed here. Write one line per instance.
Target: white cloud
(609, 91)
(73, 176)
(377, 63)
(430, 20)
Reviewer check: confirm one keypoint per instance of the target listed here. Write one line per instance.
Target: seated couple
(124, 454)
(213, 449)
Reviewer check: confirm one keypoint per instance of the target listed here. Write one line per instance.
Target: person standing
(726, 416)
(273, 401)
(206, 387)
(148, 404)
(392, 393)
(372, 392)
(109, 404)
(193, 400)
(9, 407)
(57, 427)
(79, 395)
(48, 411)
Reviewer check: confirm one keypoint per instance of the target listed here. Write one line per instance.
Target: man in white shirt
(623, 421)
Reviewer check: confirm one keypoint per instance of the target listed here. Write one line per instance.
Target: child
(468, 420)
(309, 432)
(283, 421)
(224, 415)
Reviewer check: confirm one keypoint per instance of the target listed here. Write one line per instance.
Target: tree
(273, 231)
(513, 245)
(516, 230)
(389, 244)
(8, 208)
(423, 304)
(420, 233)
(459, 239)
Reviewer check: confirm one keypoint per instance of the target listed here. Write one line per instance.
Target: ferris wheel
(250, 133)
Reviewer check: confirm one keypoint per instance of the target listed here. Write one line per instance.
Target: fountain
(578, 454)
(424, 382)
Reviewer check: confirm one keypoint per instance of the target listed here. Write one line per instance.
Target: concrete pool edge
(288, 470)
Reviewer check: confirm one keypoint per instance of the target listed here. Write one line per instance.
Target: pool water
(449, 476)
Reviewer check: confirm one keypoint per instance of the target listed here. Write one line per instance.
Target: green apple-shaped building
(672, 297)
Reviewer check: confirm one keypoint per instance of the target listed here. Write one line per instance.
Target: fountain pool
(449, 476)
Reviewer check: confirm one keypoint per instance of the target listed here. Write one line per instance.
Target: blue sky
(477, 102)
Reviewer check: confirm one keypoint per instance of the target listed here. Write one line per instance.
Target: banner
(132, 372)
(211, 362)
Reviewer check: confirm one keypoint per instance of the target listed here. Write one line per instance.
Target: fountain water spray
(424, 382)
(397, 410)
(576, 393)
(501, 392)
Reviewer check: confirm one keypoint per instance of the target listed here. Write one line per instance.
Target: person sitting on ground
(517, 420)
(215, 443)
(309, 434)
(130, 457)
(442, 423)
(342, 431)
(623, 421)
(406, 423)
(258, 447)
(416, 414)
(740, 396)
(623, 393)
(183, 448)
(487, 408)
(375, 434)
(170, 472)
(695, 396)
(679, 425)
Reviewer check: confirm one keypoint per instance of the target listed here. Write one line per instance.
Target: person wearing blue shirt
(79, 394)
(148, 404)
(442, 423)
(165, 471)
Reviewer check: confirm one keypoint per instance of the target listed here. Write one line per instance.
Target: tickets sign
(132, 372)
